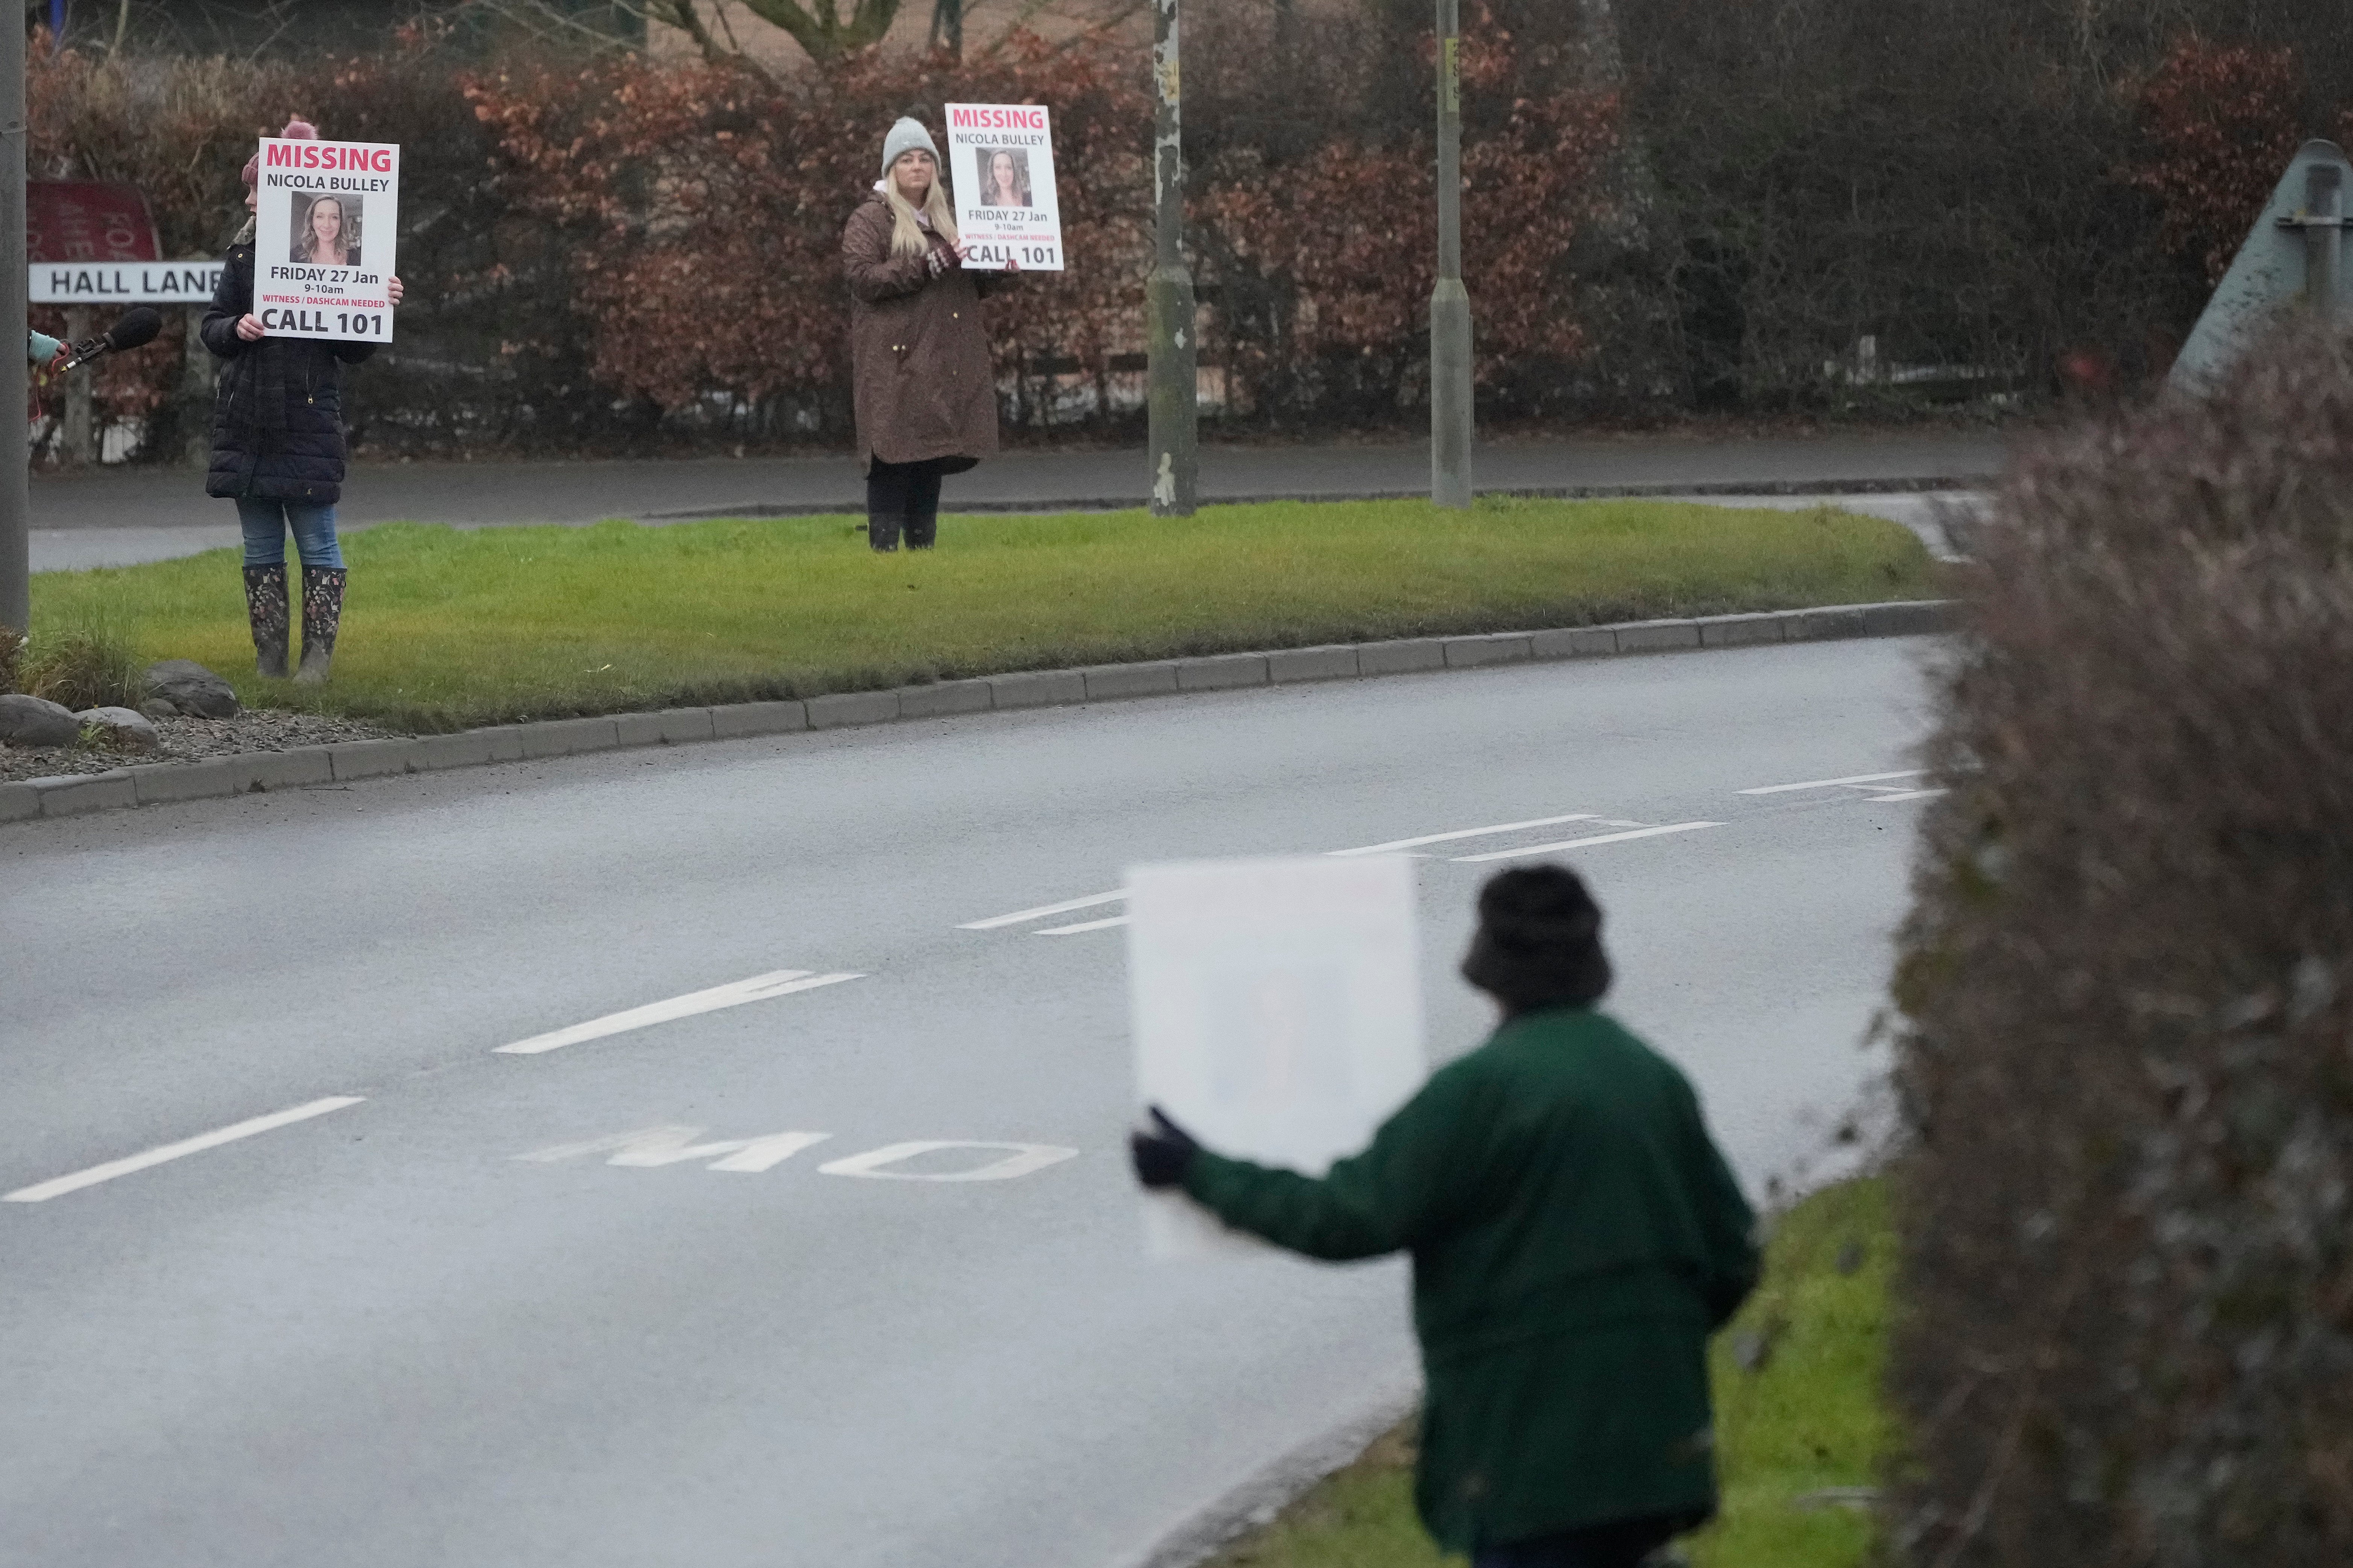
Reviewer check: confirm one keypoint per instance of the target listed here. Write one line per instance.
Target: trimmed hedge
(2127, 1053)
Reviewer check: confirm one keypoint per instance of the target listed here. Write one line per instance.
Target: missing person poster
(1276, 1010)
(1001, 163)
(325, 223)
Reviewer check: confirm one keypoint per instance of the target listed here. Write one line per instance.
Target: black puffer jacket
(278, 412)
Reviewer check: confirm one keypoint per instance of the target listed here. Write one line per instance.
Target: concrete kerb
(306, 767)
(1257, 1501)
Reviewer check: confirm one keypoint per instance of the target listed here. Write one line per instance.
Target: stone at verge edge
(156, 708)
(123, 726)
(192, 689)
(36, 721)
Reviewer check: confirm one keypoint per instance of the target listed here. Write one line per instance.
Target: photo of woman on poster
(1007, 184)
(326, 231)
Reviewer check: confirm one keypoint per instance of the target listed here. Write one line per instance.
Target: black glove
(1164, 1154)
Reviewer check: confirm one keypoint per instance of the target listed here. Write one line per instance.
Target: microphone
(137, 326)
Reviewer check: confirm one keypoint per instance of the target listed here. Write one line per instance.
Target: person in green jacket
(1576, 1236)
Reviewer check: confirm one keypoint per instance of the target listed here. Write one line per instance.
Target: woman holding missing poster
(925, 392)
(277, 449)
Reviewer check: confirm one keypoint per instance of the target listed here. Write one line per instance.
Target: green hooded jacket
(1576, 1237)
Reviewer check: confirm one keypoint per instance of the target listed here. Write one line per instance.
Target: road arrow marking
(1825, 784)
(1584, 843)
(759, 988)
(1082, 925)
(1041, 912)
(196, 1146)
(1396, 844)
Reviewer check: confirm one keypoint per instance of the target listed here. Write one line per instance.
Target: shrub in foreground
(2126, 1060)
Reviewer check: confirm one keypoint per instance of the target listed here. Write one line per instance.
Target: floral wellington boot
(322, 614)
(265, 608)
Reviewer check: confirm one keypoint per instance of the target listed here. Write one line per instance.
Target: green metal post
(1450, 302)
(1175, 354)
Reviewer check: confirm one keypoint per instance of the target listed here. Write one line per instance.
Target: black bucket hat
(1539, 940)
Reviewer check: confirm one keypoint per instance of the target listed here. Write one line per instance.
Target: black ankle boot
(323, 616)
(265, 609)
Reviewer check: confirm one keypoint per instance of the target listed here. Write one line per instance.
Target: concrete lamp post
(1174, 412)
(1450, 302)
(15, 471)
(15, 495)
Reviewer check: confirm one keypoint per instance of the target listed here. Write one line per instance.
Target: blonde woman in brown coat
(925, 391)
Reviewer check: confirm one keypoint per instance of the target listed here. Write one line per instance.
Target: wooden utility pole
(1175, 353)
(77, 441)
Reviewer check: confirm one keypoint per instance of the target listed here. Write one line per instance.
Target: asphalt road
(378, 1336)
(119, 516)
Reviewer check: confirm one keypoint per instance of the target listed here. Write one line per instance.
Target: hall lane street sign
(88, 242)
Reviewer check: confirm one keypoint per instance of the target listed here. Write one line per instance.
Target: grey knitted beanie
(907, 136)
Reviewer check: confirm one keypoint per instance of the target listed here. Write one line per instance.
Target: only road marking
(196, 1146)
(652, 1147)
(1021, 1160)
(657, 1146)
(759, 988)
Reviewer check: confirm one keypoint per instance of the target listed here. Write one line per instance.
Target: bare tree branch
(821, 31)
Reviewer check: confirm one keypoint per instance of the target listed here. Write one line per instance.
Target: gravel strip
(185, 740)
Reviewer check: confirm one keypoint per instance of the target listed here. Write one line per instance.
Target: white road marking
(1396, 844)
(1041, 912)
(759, 988)
(762, 1153)
(1392, 847)
(1825, 784)
(1082, 925)
(196, 1146)
(651, 1147)
(1583, 843)
(1904, 793)
(1021, 1160)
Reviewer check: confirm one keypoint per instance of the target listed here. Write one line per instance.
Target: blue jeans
(266, 523)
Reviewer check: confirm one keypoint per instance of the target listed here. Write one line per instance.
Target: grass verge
(1796, 1436)
(446, 629)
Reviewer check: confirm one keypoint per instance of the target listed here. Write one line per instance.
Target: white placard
(1276, 1009)
(1001, 163)
(122, 282)
(328, 215)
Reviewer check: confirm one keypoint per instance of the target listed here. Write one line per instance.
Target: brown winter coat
(922, 381)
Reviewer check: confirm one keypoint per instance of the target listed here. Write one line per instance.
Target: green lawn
(447, 628)
(1805, 1422)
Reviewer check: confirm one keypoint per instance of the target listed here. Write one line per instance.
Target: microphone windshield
(137, 326)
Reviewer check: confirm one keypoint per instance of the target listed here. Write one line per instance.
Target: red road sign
(83, 220)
